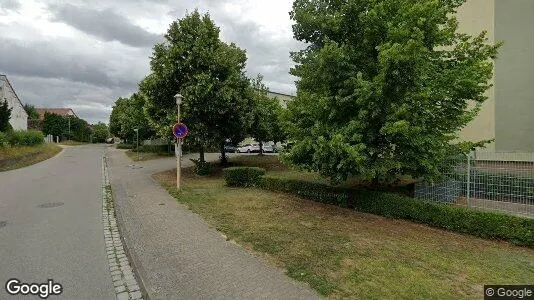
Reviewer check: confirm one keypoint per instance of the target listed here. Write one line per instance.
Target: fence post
(468, 176)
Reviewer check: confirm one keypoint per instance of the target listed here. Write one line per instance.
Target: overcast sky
(84, 54)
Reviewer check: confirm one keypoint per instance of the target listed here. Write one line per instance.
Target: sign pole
(180, 131)
(179, 154)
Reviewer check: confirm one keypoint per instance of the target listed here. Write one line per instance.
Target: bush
(4, 141)
(124, 146)
(25, 138)
(202, 168)
(519, 231)
(156, 148)
(243, 176)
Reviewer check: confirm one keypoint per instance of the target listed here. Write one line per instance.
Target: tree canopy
(267, 115)
(127, 115)
(5, 115)
(209, 73)
(100, 132)
(58, 125)
(384, 86)
(31, 111)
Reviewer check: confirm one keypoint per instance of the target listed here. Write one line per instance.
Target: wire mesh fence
(498, 181)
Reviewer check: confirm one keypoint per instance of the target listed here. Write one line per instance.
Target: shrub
(243, 176)
(25, 138)
(156, 148)
(519, 231)
(4, 141)
(202, 168)
(124, 146)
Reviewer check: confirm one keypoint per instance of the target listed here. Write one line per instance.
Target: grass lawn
(347, 254)
(146, 155)
(23, 156)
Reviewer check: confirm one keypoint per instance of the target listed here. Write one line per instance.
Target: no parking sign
(180, 130)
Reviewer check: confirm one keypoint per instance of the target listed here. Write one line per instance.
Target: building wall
(284, 99)
(19, 117)
(514, 75)
(474, 17)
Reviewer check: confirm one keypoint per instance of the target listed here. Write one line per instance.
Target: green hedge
(202, 168)
(156, 148)
(4, 141)
(243, 176)
(25, 138)
(519, 231)
(124, 146)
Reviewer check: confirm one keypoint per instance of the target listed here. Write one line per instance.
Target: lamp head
(178, 98)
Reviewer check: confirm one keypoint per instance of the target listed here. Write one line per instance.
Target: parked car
(249, 148)
(230, 149)
(268, 148)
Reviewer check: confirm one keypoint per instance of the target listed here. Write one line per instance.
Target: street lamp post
(137, 134)
(178, 145)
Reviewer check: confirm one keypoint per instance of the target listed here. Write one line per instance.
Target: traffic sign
(180, 130)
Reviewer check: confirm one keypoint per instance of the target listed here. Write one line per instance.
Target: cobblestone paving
(124, 281)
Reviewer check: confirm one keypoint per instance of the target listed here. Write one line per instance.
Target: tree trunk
(261, 148)
(224, 159)
(201, 155)
(375, 183)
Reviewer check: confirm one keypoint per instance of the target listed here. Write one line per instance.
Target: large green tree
(31, 111)
(100, 132)
(5, 114)
(127, 115)
(58, 125)
(209, 74)
(267, 113)
(55, 125)
(115, 118)
(384, 86)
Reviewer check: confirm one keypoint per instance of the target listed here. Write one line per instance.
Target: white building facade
(19, 117)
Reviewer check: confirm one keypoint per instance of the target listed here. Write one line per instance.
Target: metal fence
(498, 181)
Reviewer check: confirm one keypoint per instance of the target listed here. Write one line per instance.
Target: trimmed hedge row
(24, 138)
(124, 146)
(516, 230)
(243, 176)
(202, 168)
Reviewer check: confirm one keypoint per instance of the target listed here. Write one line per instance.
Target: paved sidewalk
(176, 254)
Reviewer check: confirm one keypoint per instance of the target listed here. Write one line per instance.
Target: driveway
(51, 225)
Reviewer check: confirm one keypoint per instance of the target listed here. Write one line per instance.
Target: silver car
(249, 148)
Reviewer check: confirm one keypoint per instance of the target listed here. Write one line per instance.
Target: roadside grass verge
(22, 156)
(73, 143)
(343, 253)
(143, 156)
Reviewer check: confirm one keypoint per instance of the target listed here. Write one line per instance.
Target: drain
(3, 224)
(50, 204)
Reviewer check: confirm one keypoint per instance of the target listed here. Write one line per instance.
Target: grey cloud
(40, 59)
(90, 102)
(104, 24)
(266, 55)
(10, 5)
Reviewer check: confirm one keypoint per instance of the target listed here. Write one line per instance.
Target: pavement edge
(125, 278)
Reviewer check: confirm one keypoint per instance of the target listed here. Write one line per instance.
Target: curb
(125, 279)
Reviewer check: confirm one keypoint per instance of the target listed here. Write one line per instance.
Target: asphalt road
(64, 243)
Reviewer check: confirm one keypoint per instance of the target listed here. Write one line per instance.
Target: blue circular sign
(180, 130)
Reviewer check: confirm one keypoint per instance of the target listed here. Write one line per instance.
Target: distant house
(58, 111)
(283, 98)
(19, 117)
